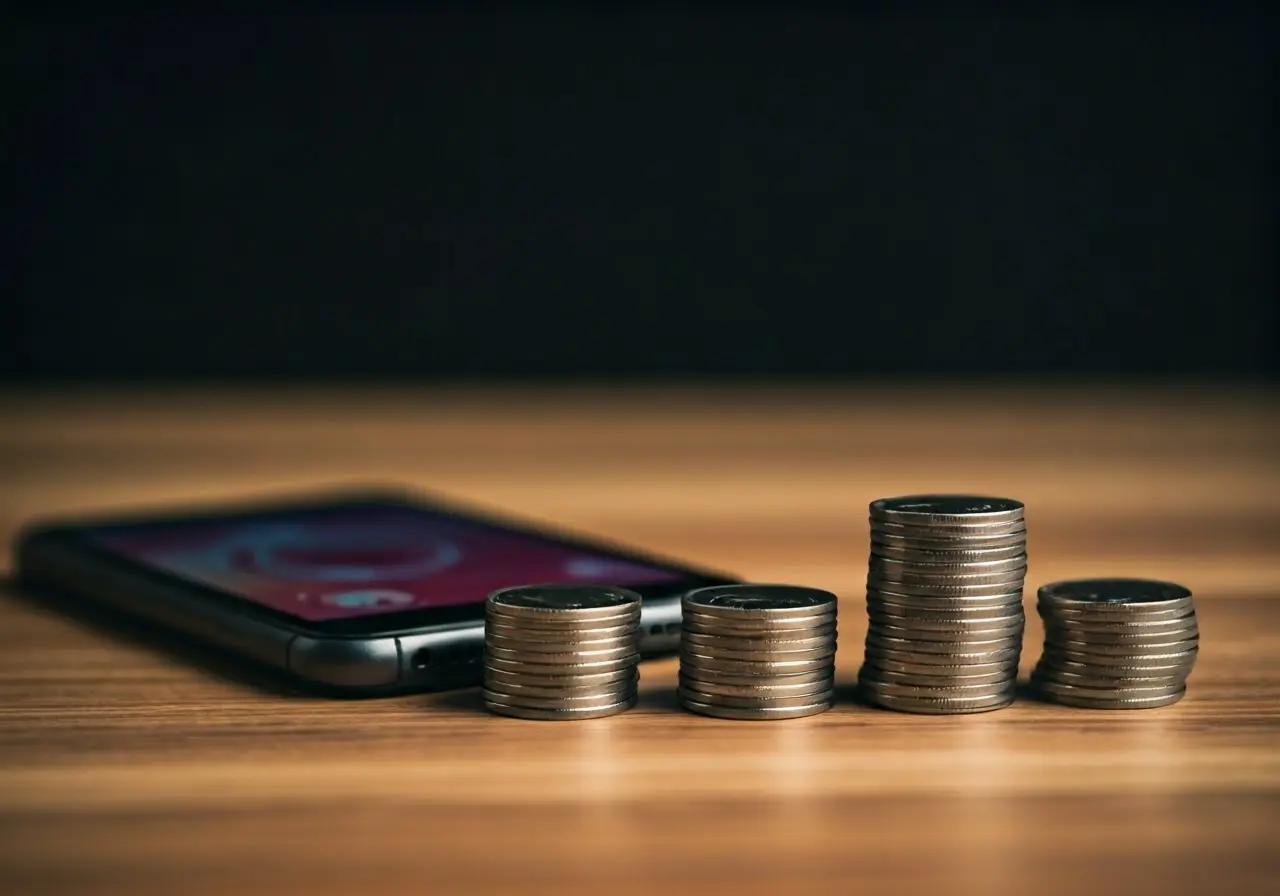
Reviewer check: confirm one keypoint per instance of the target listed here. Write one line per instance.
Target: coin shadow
(462, 700)
(660, 699)
(1026, 691)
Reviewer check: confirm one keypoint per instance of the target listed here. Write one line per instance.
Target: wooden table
(125, 770)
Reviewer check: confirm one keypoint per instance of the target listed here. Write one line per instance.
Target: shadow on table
(134, 631)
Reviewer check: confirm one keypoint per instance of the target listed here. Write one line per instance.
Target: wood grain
(126, 767)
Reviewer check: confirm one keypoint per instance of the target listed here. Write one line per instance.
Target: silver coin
(1059, 655)
(563, 692)
(754, 713)
(1111, 626)
(584, 680)
(572, 701)
(759, 601)
(687, 694)
(1120, 637)
(564, 601)
(1113, 614)
(768, 679)
(571, 657)
(952, 603)
(548, 670)
(1003, 623)
(947, 509)
(873, 685)
(903, 539)
(698, 626)
(790, 640)
(604, 646)
(939, 670)
(1003, 675)
(1049, 673)
(1082, 674)
(1116, 701)
(556, 715)
(933, 630)
(562, 635)
(1132, 692)
(1010, 581)
(944, 557)
(1148, 648)
(943, 706)
(1123, 595)
(955, 536)
(943, 589)
(996, 648)
(1017, 563)
(751, 667)
(767, 688)
(882, 655)
(766, 655)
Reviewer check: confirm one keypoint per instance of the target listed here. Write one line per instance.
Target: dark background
(756, 192)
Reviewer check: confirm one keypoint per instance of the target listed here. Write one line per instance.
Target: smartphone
(365, 592)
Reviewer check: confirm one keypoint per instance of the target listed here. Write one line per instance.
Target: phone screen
(344, 562)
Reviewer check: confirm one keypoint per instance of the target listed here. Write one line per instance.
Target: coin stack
(944, 600)
(1116, 643)
(757, 651)
(561, 651)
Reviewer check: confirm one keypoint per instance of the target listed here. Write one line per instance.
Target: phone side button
(346, 663)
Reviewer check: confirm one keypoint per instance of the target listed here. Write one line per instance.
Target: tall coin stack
(561, 651)
(1116, 643)
(757, 651)
(944, 600)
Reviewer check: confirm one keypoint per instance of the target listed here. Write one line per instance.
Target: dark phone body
(423, 649)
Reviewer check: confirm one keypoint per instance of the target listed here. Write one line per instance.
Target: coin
(758, 681)
(944, 540)
(994, 647)
(755, 713)
(933, 556)
(941, 705)
(939, 510)
(779, 641)
(993, 671)
(757, 651)
(900, 597)
(1068, 670)
(1120, 596)
(561, 651)
(561, 635)
(889, 676)
(910, 630)
(1116, 643)
(620, 686)
(1118, 701)
(760, 601)
(585, 648)
(915, 658)
(522, 711)
(687, 694)
(612, 655)
(767, 668)
(771, 689)
(769, 628)
(1119, 626)
(971, 624)
(519, 673)
(1015, 564)
(578, 602)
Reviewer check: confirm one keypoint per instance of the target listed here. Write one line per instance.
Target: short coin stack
(944, 600)
(758, 651)
(1116, 643)
(561, 651)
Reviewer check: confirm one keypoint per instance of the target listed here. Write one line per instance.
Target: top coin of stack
(1116, 643)
(561, 651)
(757, 651)
(944, 600)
